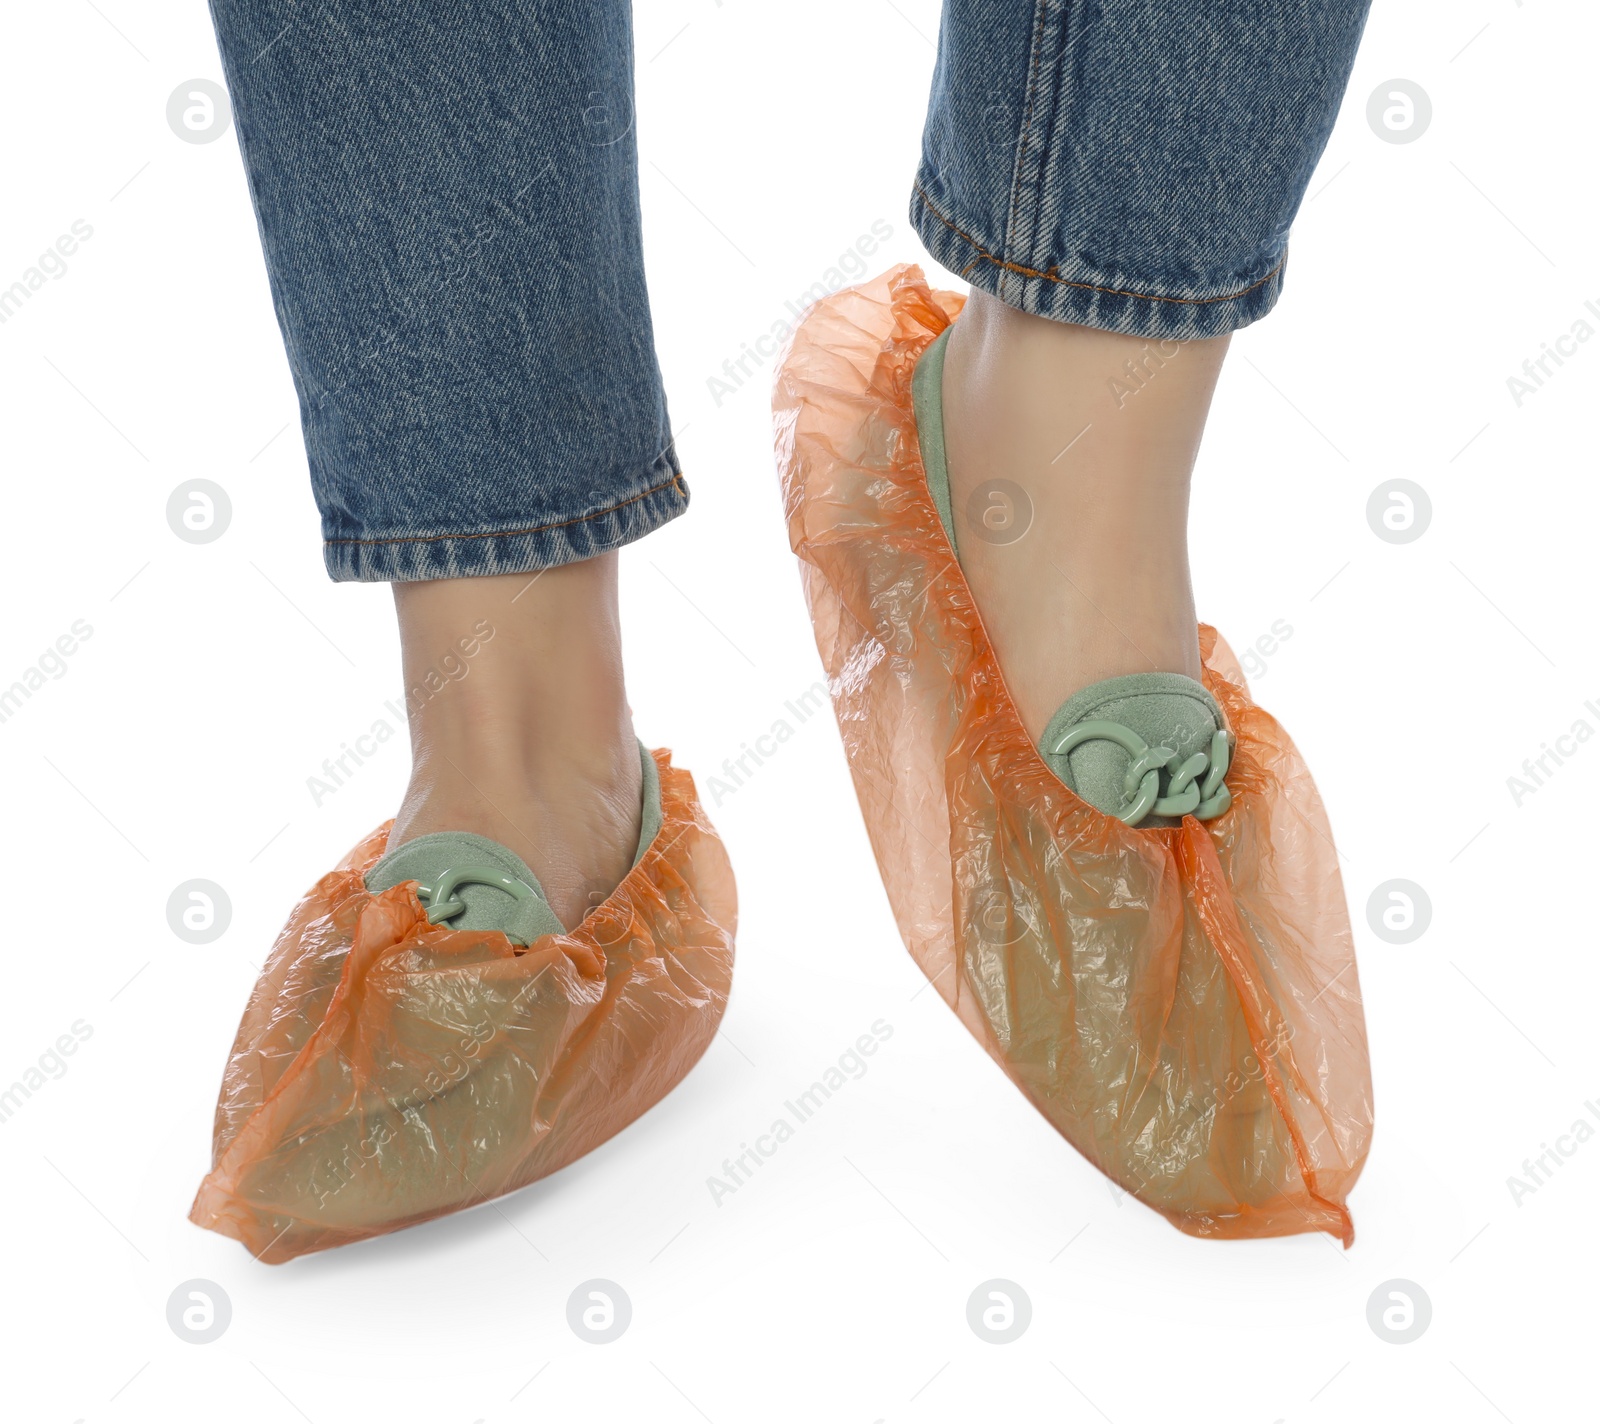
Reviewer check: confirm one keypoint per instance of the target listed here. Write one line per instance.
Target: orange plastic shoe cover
(1181, 1004)
(388, 1071)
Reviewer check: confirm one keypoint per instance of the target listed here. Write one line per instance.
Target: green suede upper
(523, 918)
(927, 395)
(1165, 709)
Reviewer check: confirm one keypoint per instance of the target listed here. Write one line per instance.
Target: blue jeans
(447, 193)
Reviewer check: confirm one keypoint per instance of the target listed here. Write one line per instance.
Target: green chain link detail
(1141, 787)
(440, 897)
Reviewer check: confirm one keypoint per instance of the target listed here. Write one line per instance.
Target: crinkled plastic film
(1181, 1004)
(387, 1071)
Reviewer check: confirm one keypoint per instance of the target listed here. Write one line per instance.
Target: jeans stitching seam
(676, 481)
(1051, 276)
(1062, 66)
(1040, 10)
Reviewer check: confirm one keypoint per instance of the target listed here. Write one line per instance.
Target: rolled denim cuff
(408, 558)
(1108, 301)
(1129, 166)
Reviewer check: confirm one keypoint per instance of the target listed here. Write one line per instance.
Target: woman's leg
(534, 745)
(1117, 182)
(448, 200)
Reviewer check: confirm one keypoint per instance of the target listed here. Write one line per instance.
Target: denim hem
(1089, 299)
(509, 551)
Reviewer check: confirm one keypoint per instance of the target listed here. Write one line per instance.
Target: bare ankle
(1092, 437)
(520, 728)
(515, 664)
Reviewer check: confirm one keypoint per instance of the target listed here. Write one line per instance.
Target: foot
(1069, 453)
(520, 727)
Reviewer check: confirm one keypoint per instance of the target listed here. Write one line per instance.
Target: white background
(1417, 678)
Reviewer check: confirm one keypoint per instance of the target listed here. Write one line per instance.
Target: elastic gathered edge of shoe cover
(1180, 1003)
(387, 1071)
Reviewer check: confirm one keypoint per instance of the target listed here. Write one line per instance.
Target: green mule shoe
(470, 882)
